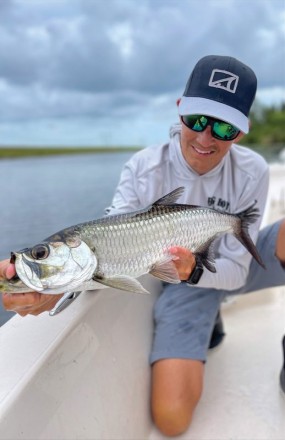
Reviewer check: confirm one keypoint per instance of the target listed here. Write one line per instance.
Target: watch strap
(196, 273)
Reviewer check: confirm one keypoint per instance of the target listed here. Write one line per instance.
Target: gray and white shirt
(236, 183)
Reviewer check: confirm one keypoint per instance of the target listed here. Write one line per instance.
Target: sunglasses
(219, 129)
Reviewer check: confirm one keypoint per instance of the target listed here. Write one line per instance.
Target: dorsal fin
(170, 198)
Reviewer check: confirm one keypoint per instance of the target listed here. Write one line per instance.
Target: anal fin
(206, 255)
(123, 282)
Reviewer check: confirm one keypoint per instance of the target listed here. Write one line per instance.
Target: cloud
(118, 59)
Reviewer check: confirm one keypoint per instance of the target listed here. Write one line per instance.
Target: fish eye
(40, 252)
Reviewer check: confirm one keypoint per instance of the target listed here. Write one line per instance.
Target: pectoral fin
(165, 270)
(123, 282)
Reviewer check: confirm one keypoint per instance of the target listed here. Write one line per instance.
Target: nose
(205, 137)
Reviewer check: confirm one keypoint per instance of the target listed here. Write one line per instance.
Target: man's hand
(7, 270)
(31, 303)
(184, 262)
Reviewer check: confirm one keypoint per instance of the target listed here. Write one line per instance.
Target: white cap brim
(202, 106)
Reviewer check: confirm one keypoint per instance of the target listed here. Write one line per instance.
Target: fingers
(7, 270)
(184, 261)
(10, 271)
(32, 303)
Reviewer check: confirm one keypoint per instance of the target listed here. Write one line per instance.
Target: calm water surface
(40, 196)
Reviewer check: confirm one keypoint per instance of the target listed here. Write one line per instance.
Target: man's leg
(271, 246)
(218, 333)
(280, 253)
(280, 245)
(184, 320)
(176, 389)
(282, 374)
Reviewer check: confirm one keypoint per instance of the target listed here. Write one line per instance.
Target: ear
(241, 134)
(239, 137)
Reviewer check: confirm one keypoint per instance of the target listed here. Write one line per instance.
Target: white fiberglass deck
(84, 374)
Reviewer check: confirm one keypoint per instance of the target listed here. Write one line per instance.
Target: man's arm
(234, 260)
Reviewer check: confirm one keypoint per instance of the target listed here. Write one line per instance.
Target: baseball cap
(221, 87)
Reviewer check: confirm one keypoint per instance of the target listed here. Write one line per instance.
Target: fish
(117, 249)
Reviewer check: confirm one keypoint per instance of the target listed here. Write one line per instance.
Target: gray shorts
(184, 315)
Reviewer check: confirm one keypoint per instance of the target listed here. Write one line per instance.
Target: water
(40, 196)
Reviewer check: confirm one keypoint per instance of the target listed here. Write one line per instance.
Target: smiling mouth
(202, 152)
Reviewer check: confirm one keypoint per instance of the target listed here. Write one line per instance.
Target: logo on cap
(221, 79)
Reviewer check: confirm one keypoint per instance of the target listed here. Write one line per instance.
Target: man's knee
(172, 418)
(176, 390)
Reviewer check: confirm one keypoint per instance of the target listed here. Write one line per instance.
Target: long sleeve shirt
(237, 182)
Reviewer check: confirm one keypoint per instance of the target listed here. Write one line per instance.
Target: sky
(109, 72)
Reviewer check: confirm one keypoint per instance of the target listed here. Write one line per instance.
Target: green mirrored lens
(195, 122)
(201, 122)
(225, 131)
(220, 130)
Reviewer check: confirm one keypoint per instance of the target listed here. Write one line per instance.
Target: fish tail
(247, 217)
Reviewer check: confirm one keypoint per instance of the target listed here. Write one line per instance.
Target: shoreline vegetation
(266, 136)
(267, 151)
(25, 151)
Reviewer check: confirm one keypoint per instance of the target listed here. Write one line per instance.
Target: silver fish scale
(131, 244)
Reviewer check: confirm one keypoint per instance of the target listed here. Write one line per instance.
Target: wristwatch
(196, 273)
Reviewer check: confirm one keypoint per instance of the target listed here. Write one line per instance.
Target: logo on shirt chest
(218, 203)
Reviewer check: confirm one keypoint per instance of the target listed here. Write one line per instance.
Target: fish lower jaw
(68, 287)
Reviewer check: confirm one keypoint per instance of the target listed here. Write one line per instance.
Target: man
(202, 157)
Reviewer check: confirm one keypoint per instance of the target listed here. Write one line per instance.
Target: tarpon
(115, 250)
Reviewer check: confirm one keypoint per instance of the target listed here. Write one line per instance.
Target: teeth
(202, 152)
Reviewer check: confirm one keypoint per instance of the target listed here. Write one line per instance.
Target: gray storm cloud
(97, 58)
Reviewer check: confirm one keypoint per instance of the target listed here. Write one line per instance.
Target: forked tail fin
(247, 217)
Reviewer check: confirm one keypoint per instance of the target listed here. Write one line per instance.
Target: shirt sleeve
(125, 197)
(233, 261)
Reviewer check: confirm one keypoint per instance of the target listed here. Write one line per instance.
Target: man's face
(201, 150)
